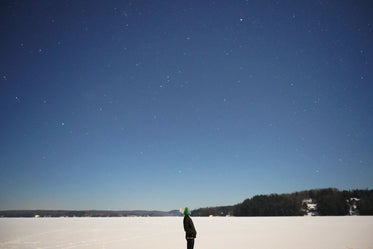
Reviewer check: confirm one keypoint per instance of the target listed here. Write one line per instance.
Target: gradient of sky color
(162, 104)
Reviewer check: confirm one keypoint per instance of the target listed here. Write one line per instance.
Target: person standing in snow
(190, 231)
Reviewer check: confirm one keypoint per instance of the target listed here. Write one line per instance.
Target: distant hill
(329, 201)
(86, 213)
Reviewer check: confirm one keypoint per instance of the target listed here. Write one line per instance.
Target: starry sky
(160, 104)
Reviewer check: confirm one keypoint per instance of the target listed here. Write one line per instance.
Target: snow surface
(167, 232)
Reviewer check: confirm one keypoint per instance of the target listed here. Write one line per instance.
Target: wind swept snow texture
(167, 232)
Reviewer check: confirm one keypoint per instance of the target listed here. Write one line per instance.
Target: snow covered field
(167, 233)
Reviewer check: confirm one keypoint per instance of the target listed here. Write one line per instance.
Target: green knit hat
(184, 211)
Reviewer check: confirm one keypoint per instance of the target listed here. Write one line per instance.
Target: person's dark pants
(190, 243)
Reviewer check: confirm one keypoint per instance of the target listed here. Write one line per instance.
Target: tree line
(329, 201)
(85, 213)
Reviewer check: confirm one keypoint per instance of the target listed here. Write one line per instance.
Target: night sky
(160, 104)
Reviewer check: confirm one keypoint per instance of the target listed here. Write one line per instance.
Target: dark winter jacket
(190, 231)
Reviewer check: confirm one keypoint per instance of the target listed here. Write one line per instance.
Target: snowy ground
(167, 233)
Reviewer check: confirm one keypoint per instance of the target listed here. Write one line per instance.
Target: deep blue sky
(162, 104)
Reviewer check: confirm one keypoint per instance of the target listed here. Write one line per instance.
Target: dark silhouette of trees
(269, 205)
(332, 202)
(329, 201)
(365, 205)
